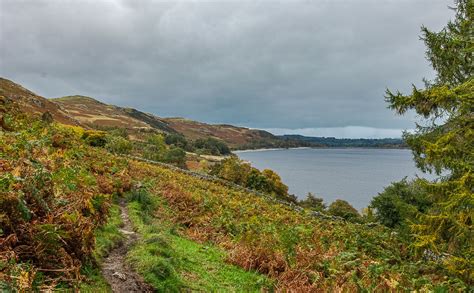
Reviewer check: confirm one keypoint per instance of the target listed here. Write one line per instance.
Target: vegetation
(57, 190)
(444, 144)
(401, 203)
(347, 142)
(341, 208)
(313, 203)
(234, 170)
(211, 146)
(170, 262)
(57, 214)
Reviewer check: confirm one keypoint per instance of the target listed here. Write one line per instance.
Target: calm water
(355, 175)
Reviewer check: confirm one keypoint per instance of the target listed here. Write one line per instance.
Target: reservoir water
(355, 175)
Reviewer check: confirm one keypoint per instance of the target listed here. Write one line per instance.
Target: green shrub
(95, 138)
(118, 144)
(312, 202)
(176, 156)
(343, 209)
(401, 203)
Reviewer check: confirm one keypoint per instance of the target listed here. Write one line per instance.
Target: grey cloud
(262, 64)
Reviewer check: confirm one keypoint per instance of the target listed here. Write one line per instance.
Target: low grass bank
(106, 238)
(171, 262)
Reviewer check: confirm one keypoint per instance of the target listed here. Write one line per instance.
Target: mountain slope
(30, 102)
(97, 114)
(234, 136)
(91, 112)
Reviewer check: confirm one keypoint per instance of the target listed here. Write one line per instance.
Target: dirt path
(115, 270)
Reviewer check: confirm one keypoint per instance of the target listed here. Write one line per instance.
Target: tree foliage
(234, 170)
(444, 143)
(312, 202)
(211, 146)
(343, 209)
(401, 203)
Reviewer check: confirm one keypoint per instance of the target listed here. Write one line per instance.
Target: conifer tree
(444, 144)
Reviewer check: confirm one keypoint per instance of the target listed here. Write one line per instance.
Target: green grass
(106, 238)
(108, 235)
(170, 262)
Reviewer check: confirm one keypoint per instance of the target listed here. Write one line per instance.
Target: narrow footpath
(115, 269)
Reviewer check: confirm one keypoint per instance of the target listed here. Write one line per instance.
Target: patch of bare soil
(115, 270)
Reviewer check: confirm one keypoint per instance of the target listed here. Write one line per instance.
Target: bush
(95, 138)
(176, 140)
(211, 146)
(312, 202)
(118, 144)
(343, 209)
(401, 203)
(176, 156)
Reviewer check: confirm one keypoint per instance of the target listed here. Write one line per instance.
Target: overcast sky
(309, 67)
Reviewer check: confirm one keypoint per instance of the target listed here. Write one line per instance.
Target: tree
(401, 203)
(343, 209)
(276, 185)
(444, 144)
(175, 155)
(312, 202)
(212, 146)
(155, 148)
(176, 140)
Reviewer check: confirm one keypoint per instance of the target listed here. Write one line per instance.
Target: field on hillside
(56, 196)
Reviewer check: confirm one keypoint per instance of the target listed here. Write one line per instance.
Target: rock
(119, 275)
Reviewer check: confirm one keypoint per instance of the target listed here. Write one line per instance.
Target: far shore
(319, 147)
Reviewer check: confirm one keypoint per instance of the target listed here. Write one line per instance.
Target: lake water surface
(355, 175)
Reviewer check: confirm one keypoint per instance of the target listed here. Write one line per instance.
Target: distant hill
(234, 136)
(347, 142)
(91, 113)
(94, 113)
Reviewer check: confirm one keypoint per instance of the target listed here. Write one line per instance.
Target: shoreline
(323, 147)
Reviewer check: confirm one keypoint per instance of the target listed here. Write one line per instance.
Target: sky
(308, 67)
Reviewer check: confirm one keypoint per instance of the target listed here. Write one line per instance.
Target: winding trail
(115, 270)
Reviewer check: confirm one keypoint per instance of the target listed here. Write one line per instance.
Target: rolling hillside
(95, 113)
(30, 102)
(234, 136)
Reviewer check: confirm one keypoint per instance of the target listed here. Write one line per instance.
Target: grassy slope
(169, 261)
(297, 250)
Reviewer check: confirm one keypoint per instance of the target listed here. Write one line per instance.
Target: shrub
(343, 209)
(95, 138)
(176, 156)
(176, 140)
(118, 144)
(212, 146)
(312, 202)
(400, 203)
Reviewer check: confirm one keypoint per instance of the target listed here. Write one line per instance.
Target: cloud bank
(262, 64)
